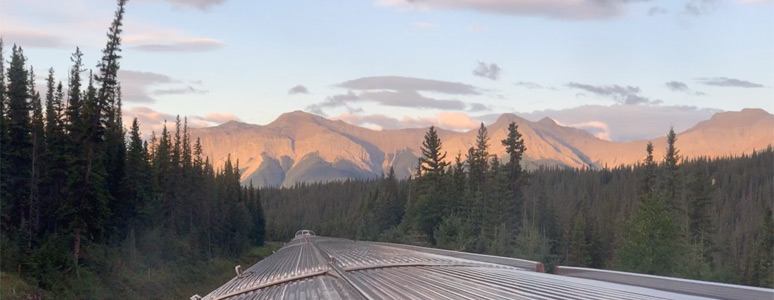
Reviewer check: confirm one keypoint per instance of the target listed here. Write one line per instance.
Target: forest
(698, 218)
(84, 201)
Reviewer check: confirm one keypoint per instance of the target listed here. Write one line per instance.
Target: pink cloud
(154, 121)
(447, 120)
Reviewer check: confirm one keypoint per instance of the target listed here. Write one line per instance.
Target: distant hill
(302, 147)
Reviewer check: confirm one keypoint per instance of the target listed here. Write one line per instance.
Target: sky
(621, 69)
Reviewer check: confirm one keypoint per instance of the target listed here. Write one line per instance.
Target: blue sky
(399, 63)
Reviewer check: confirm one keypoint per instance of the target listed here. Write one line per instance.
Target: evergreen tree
(38, 140)
(478, 157)
(137, 190)
(515, 148)
(649, 178)
(4, 146)
(18, 159)
(424, 212)
(701, 227)
(651, 242)
(432, 162)
(671, 181)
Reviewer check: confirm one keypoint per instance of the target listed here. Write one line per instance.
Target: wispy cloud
(560, 9)
(33, 38)
(189, 45)
(534, 86)
(397, 83)
(396, 91)
(489, 71)
(657, 10)
(140, 87)
(678, 86)
(477, 28)
(728, 82)
(625, 122)
(299, 89)
(477, 107)
(177, 91)
(153, 121)
(621, 94)
(447, 120)
(700, 7)
(599, 129)
(203, 5)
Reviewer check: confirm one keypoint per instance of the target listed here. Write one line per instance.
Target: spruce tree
(19, 161)
(478, 157)
(38, 140)
(515, 148)
(701, 227)
(671, 181)
(649, 178)
(4, 176)
(432, 162)
(55, 174)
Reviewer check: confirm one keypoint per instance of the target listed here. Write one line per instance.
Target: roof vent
(238, 270)
(196, 297)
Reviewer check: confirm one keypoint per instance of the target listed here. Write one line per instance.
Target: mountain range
(302, 147)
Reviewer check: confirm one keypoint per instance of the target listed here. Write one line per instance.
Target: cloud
(392, 98)
(534, 86)
(218, 118)
(447, 120)
(203, 5)
(31, 38)
(621, 94)
(657, 10)
(475, 107)
(599, 129)
(177, 91)
(139, 87)
(397, 91)
(153, 121)
(729, 82)
(299, 89)
(559, 9)
(677, 86)
(423, 25)
(477, 28)
(700, 7)
(397, 83)
(188, 45)
(491, 71)
(625, 122)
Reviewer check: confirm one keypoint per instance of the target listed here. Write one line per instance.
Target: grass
(136, 280)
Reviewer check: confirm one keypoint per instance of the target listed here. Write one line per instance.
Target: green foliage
(83, 212)
(652, 239)
(614, 218)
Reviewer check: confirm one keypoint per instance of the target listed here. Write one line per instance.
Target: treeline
(701, 218)
(81, 200)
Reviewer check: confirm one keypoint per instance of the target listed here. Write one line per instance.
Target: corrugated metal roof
(312, 267)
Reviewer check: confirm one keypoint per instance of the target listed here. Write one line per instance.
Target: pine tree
(19, 161)
(137, 186)
(649, 178)
(515, 148)
(432, 162)
(4, 147)
(38, 140)
(429, 204)
(671, 180)
(478, 157)
(701, 227)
